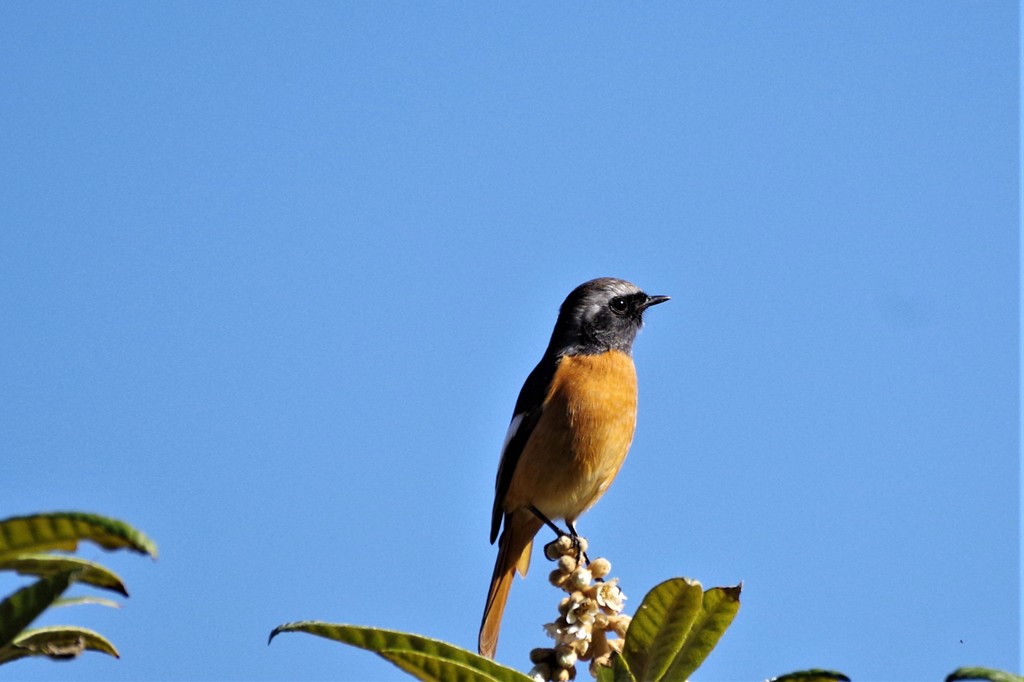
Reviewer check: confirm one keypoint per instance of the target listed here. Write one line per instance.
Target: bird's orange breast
(581, 439)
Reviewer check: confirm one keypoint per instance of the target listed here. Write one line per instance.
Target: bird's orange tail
(514, 547)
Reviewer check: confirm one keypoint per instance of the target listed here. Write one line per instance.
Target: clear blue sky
(271, 276)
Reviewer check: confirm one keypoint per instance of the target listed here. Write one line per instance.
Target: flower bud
(557, 578)
(600, 568)
(540, 673)
(581, 544)
(581, 578)
(565, 657)
(619, 624)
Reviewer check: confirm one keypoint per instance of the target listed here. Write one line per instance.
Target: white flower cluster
(585, 618)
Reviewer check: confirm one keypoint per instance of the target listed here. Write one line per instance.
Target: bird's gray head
(600, 315)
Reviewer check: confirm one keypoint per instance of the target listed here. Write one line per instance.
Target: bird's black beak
(653, 300)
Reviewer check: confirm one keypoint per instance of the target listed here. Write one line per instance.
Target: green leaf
(57, 642)
(676, 627)
(22, 607)
(718, 608)
(80, 601)
(618, 671)
(426, 659)
(41, 565)
(983, 674)
(63, 530)
(812, 675)
(659, 627)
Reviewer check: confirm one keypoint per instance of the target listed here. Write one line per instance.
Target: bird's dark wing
(524, 419)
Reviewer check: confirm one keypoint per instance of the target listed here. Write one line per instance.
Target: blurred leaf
(424, 658)
(58, 642)
(41, 565)
(22, 607)
(81, 601)
(718, 608)
(813, 675)
(983, 674)
(63, 530)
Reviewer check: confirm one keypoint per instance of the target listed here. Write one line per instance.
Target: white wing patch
(512, 429)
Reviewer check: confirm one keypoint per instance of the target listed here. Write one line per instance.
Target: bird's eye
(619, 305)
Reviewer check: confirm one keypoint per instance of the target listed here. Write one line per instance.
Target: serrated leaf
(21, 608)
(57, 642)
(812, 675)
(983, 674)
(424, 658)
(41, 565)
(718, 608)
(659, 627)
(63, 531)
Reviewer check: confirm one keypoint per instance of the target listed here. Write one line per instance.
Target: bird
(570, 431)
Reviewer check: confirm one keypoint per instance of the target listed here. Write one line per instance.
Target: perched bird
(570, 431)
